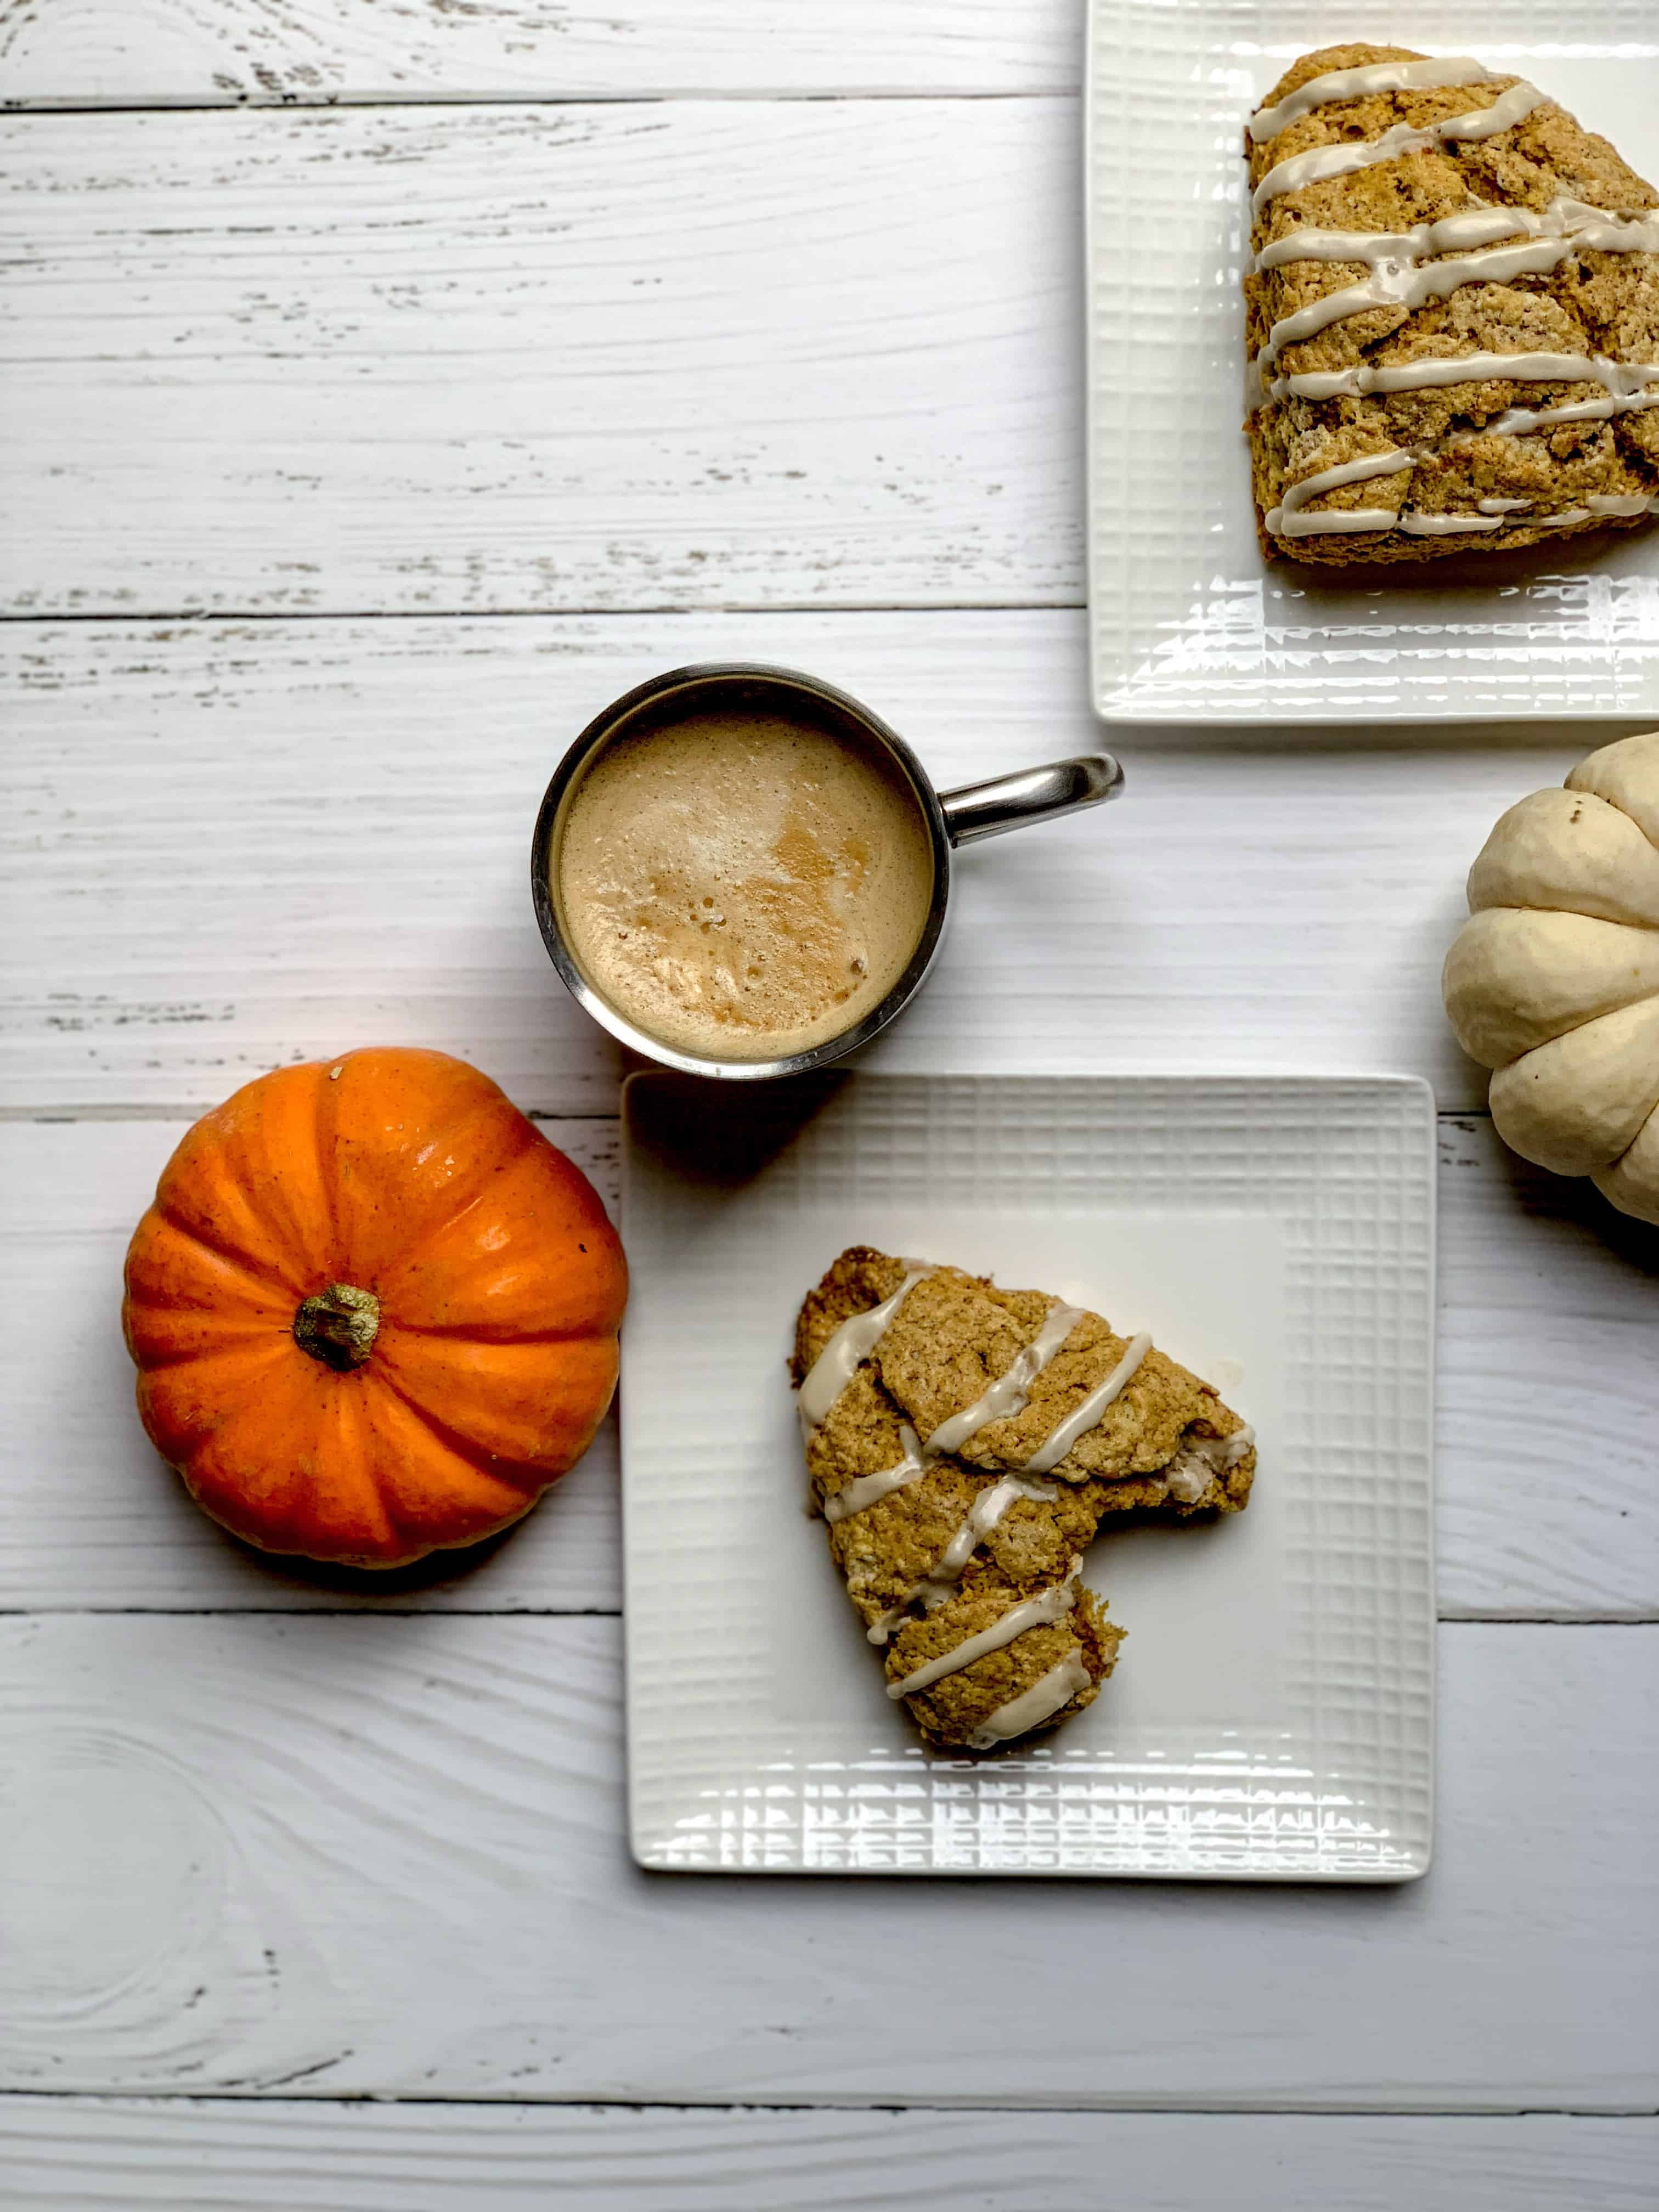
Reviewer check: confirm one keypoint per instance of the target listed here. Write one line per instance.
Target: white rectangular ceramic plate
(1187, 623)
(1271, 1714)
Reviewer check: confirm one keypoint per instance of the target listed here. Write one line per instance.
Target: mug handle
(1030, 794)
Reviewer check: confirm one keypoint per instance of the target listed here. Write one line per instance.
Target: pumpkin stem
(337, 1325)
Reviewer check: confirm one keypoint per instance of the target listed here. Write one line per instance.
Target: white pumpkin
(1553, 982)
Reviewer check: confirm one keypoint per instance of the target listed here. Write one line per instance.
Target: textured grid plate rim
(745, 1829)
(1324, 665)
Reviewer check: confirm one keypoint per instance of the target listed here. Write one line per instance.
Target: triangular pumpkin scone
(964, 1444)
(1452, 307)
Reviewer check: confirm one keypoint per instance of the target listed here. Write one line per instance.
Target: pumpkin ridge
(352, 1414)
(160, 1248)
(1474, 958)
(487, 1332)
(518, 1497)
(487, 1123)
(462, 1447)
(248, 1178)
(186, 1435)
(306, 1498)
(524, 1140)
(232, 1341)
(324, 1141)
(242, 1262)
(1572, 1028)
(1607, 772)
(270, 1355)
(1562, 1107)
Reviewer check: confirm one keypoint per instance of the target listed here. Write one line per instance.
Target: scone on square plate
(1452, 315)
(964, 1444)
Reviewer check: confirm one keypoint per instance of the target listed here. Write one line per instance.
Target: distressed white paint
(386, 1855)
(148, 52)
(1548, 1391)
(245, 843)
(290, 2156)
(1547, 1504)
(679, 355)
(546, 358)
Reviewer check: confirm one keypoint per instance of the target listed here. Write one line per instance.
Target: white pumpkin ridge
(1519, 977)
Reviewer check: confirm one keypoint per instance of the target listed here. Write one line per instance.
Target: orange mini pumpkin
(373, 1311)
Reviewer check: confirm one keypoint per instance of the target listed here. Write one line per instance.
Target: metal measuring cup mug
(948, 820)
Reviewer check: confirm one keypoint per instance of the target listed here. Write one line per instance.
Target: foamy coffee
(744, 886)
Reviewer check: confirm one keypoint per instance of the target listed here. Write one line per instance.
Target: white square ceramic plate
(1187, 623)
(1271, 1714)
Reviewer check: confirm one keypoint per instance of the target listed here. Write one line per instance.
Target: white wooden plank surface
(1548, 1505)
(149, 52)
(1548, 1391)
(272, 2157)
(699, 354)
(243, 843)
(721, 353)
(386, 1856)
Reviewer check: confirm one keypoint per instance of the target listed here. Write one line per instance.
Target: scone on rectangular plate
(1452, 315)
(964, 1444)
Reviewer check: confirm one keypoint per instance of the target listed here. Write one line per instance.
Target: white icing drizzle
(989, 1508)
(941, 1578)
(1032, 1707)
(1359, 84)
(851, 1345)
(1090, 1414)
(867, 1490)
(1348, 473)
(1345, 522)
(1321, 162)
(1359, 518)
(1396, 281)
(1483, 226)
(1621, 379)
(1445, 525)
(1006, 1399)
(1567, 220)
(1402, 275)
(1046, 1607)
(1287, 521)
(1521, 422)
